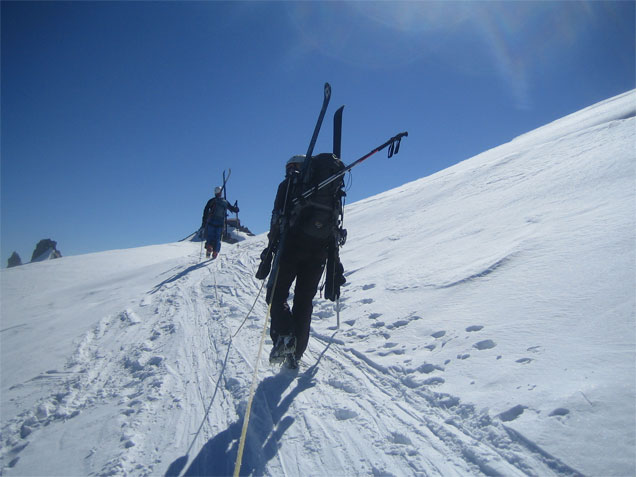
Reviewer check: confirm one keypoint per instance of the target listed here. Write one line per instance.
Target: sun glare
(515, 41)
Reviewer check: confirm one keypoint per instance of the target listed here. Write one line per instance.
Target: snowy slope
(487, 327)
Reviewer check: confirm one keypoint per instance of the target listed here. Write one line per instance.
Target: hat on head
(295, 160)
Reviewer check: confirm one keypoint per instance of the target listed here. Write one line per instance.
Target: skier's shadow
(177, 276)
(267, 425)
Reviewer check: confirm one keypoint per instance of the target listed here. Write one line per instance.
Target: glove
(266, 264)
(334, 280)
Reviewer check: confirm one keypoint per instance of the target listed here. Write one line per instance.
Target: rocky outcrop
(14, 260)
(46, 249)
(236, 223)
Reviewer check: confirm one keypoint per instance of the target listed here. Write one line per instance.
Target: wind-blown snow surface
(487, 327)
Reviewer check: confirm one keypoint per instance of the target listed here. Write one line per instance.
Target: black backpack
(318, 216)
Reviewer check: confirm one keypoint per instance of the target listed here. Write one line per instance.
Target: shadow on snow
(179, 275)
(267, 426)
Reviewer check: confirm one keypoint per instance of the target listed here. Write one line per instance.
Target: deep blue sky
(118, 118)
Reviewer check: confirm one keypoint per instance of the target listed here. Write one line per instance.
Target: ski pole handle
(392, 151)
(394, 143)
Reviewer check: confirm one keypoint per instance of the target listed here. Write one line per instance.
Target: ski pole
(394, 147)
(238, 223)
(225, 179)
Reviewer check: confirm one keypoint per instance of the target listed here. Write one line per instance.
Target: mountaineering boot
(214, 254)
(208, 251)
(285, 345)
(291, 362)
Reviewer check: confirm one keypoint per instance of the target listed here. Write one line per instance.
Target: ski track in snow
(122, 362)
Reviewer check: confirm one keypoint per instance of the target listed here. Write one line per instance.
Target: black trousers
(303, 262)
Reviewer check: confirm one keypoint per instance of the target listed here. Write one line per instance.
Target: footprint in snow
(412, 382)
(438, 334)
(129, 317)
(428, 368)
(369, 286)
(524, 360)
(399, 438)
(512, 413)
(344, 386)
(392, 351)
(559, 412)
(345, 414)
(323, 314)
(474, 328)
(398, 324)
(485, 344)
(366, 301)
(376, 472)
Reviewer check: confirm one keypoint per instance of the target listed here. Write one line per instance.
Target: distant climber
(213, 221)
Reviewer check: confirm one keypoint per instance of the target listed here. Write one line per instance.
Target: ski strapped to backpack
(337, 132)
(314, 137)
(326, 221)
(276, 249)
(292, 209)
(394, 148)
(225, 179)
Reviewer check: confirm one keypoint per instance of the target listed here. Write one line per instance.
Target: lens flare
(515, 41)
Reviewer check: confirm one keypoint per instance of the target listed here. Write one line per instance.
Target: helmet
(298, 159)
(217, 190)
